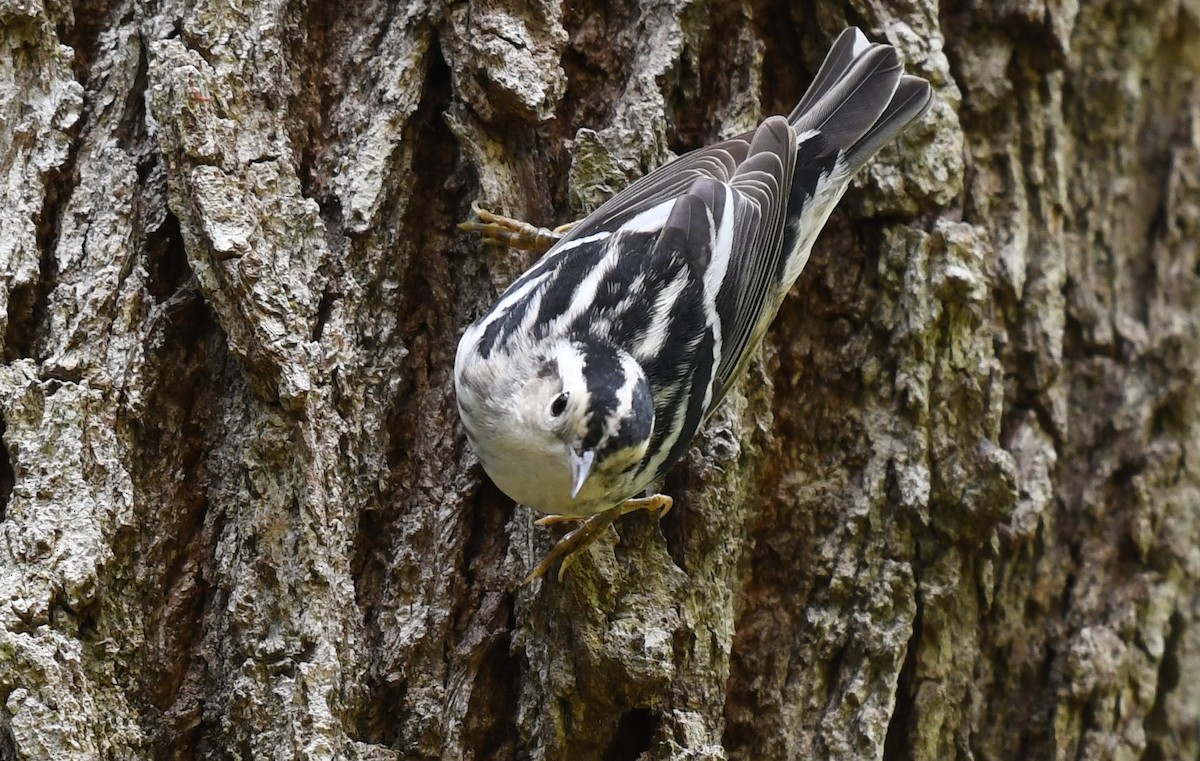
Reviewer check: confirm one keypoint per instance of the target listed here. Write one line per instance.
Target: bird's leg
(554, 520)
(576, 542)
(504, 231)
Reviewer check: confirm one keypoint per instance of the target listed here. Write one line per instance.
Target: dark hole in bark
(1158, 723)
(491, 723)
(323, 311)
(635, 732)
(166, 261)
(185, 746)
(164, 569)
(675, 524)
(8, 479)
(8, 744)
(83, 31)
(28, 301)
(18, 333)
(897, 741)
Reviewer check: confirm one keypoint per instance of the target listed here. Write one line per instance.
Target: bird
(588, 378)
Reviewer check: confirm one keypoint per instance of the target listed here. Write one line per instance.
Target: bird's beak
(581, 466)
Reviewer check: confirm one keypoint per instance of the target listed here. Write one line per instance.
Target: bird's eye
(559, 405)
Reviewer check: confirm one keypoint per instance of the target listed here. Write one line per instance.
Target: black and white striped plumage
(590, 376)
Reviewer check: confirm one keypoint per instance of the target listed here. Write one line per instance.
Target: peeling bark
(952, 513)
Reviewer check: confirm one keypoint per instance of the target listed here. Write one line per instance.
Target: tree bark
(953, 512)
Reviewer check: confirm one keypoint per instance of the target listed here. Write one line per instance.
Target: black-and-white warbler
(589, 377)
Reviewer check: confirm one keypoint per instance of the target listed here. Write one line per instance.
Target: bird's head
(579, 424)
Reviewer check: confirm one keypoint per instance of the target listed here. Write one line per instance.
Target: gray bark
(953, 512)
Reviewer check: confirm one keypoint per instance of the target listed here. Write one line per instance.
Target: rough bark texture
(953, 513)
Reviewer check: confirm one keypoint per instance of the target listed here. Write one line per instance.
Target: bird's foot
(504, 231)
(660, 502)
(575, 543)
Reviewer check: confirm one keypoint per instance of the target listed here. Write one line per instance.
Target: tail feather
(849, 45)
(853, 104)
(912, 98)
(860, 99)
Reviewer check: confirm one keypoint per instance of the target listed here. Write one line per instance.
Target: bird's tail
(860, 98)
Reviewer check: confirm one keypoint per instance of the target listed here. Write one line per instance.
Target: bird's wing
(730, 232)
(718, 162)
(686, 267)
(584, 245)
(746, 283)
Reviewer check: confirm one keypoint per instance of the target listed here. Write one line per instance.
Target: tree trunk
(954, 511)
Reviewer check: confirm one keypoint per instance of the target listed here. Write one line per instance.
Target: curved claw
(576, 543)
(659, 502)
(499, 230)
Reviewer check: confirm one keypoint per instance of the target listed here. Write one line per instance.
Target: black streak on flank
(814, 160)
(560, 294)
(502, 328)
(695, 403)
